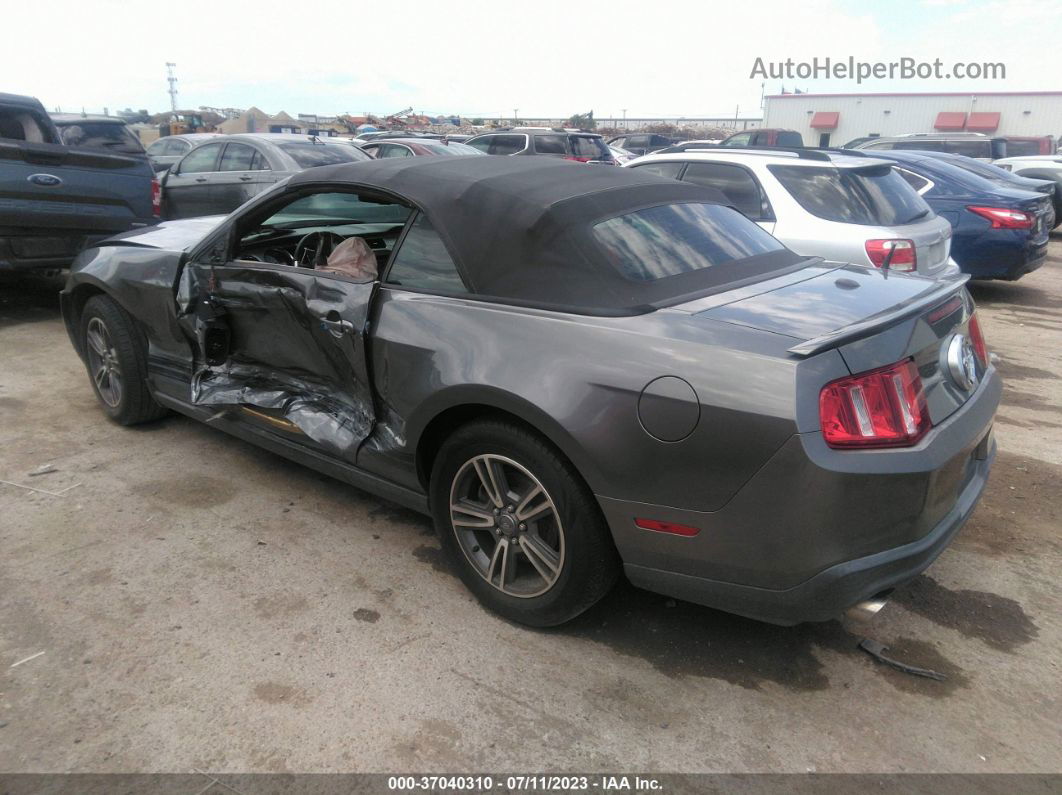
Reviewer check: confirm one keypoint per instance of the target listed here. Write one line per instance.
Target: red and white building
(833, 119)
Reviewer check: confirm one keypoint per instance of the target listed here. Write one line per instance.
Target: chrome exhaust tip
(864, 611)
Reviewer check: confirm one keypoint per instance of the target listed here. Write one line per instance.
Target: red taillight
(1002, 218)
(881, 408)
(667, 527)
(978, 340)
(156, 198)
(905, 258)
(579, 159)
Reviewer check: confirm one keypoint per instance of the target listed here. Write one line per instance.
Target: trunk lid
(932, 240)
(872, 319)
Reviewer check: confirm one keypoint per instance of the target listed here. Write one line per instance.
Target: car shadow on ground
(1019, 294)
(29, 297)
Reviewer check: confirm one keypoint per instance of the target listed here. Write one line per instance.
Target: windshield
(672, 239)
(334, 209)
(309, 155)
(871, 195)
(101, 135)
(453, 148)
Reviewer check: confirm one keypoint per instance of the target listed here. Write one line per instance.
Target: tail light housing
(156, 198)
(905, 257)
(977, 339)
(1002, 218)
(880, 408)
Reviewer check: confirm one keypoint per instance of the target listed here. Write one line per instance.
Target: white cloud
(484, 56)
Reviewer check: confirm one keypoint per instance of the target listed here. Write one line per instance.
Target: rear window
(874, 196)
(590, 146)
(309, 155)
(672, 239)
(1022, 148)
(101, 135)
(789, 139)
(507, 144)
(550, 145)
(23, 124)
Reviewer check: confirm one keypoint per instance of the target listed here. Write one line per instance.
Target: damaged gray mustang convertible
(574, 370)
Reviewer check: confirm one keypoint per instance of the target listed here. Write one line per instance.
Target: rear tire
(519, 524)
(115, 351)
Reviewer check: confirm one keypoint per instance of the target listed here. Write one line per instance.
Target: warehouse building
(833, 119)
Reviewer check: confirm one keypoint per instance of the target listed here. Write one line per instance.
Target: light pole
(624, 118)
(516, 115)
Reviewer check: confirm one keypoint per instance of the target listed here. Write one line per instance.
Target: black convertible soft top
(518, 228)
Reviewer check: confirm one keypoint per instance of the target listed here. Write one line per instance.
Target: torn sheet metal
(293, 344)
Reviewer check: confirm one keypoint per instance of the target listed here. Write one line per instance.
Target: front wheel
(116, 358)
(519, 524)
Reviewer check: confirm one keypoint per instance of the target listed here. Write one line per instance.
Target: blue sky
(688, 58)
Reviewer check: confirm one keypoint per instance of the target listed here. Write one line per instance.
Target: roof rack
(802, 152)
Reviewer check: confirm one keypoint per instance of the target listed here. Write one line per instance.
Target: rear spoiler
(940, 290)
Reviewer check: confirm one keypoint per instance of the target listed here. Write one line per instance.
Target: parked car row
(995, 224)
(842, 208)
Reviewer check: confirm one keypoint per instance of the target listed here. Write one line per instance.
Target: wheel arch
(457, 406)
(73, 300)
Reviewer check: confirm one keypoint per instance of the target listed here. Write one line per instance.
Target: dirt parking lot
(172, 599)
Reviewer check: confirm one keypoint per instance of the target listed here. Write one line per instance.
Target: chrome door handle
(336, 327)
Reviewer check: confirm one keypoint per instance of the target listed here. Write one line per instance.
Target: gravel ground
(173, 599)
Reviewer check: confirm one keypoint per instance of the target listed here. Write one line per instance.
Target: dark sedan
(164, 152)
(1007, 179)
(416, 147)
(575, 371)
(217, 177)
(998, 232)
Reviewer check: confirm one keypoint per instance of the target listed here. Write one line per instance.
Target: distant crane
(171, 78)
(398, 118)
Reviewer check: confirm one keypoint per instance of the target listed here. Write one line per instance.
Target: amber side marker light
(667, 527)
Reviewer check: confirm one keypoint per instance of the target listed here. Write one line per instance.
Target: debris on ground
(27, 659)
(877, 651)
(43, 469)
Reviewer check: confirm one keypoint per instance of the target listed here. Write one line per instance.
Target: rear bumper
(831, 592)
(817, 530)
(1003, 254)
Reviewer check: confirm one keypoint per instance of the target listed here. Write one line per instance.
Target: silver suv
(835, 206)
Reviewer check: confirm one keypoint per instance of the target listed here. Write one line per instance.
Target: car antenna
(888, 260)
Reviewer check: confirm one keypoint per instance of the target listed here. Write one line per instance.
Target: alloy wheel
(507, 525)
(103, 363)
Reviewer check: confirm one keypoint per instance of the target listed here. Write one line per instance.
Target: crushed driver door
(283, 348)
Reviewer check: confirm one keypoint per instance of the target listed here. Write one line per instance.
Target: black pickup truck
(56, 199)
